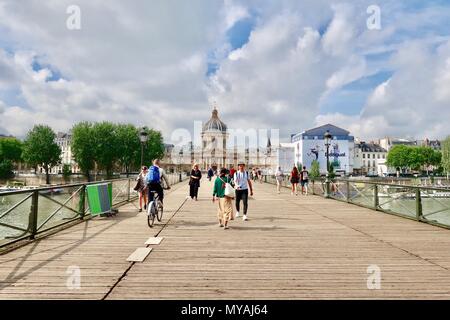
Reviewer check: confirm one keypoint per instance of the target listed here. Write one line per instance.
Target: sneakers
(245, 217)
(237, 214)
(225, 228)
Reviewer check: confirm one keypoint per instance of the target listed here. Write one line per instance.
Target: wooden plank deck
(291, 248)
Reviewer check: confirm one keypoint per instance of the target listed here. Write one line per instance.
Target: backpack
(305, 175)
(153, 175)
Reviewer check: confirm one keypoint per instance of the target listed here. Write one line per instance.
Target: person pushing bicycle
(155, 179)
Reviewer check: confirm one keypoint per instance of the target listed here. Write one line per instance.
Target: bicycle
(155, 209)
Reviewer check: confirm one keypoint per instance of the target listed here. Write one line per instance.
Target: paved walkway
(292, 247)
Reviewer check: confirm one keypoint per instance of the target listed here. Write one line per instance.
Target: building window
(364, 155)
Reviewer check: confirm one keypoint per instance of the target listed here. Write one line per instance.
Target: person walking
(295, 179)
(194, 182)
(225, 204)
(260, 175)
(279, 176)
(210, 173)
(232, 171)
(141, 187)
(254, 175)
(304, 180)
(243, 183)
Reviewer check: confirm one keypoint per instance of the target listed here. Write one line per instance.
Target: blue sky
(286, 64)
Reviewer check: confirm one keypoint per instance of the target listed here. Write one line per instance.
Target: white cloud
(125, 64)
(279, 77)
(234, 12)
(129, 63)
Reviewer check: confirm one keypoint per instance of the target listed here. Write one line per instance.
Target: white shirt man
(243, 183)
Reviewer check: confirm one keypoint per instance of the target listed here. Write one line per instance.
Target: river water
(48, 203)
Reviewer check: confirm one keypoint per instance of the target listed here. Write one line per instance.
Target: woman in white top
(279, 177)
(142, 190)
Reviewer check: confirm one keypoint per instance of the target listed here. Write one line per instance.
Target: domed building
(214, 142)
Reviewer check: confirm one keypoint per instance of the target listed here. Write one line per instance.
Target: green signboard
(99, 198)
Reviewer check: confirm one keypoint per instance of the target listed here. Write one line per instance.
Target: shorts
(305, 182)
(295, 180)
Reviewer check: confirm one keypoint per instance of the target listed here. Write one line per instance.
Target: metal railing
(24, 214)
(425, 204)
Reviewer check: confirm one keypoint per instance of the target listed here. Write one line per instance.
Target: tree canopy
(445, 161)
(83, 147)
(314, 171)
(113, 146)
(41, 149)
(412, 157)
(10, 149)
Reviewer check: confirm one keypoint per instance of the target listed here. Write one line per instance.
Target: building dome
(214, 124)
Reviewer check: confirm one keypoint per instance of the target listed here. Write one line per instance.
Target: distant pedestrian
(279, 176)
(225, 205)
(141, 187)
(254, 175)
(260, 175)
(295, 179)
(210, 173)
(243, 184)
(194, 182)
(304, 180)
(232, 171)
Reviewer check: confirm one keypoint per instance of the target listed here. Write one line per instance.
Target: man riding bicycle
(154, 181)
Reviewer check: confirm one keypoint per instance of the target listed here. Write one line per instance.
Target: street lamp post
(180, 158)
(143, 137)
(327, 137)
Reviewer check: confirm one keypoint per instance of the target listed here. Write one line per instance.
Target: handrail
(60, 186)
(387, 184)
(124, 195)
(400, 203)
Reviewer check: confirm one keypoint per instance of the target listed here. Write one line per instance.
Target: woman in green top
(225, 209)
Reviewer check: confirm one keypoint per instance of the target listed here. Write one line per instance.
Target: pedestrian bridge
(292, 247)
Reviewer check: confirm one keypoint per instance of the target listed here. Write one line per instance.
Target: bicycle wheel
(159, 212)
(151, 214)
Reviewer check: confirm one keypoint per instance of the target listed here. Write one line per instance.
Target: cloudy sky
(288, 64)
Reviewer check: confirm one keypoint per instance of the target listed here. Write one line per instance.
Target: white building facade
(63, 140)
(370, 159)
(310, 145)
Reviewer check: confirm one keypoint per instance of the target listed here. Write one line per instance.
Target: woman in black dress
(194, 182)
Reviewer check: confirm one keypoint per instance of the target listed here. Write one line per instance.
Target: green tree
(430, 157)
(445, 160)
(398, 157)
(6, 169)
(41, 149)
(10, 153)
(331, 173)
(83, 147)
(105, 146)
(314, 171)
(128, 146)
(415, 158)
(11, 149)
(153, 149)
